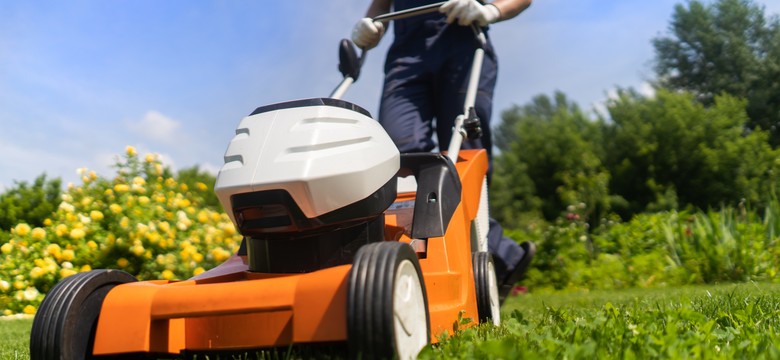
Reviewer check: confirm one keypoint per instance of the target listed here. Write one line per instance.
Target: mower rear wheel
(387, 305)
(488, 305)
(64, 326)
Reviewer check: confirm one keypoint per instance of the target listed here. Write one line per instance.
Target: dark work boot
(516, 274)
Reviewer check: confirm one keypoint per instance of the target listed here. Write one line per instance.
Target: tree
(671, 151)
(551, 159)
(727, 46)
(29, 203)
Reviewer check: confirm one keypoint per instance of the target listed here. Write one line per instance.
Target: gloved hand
(470, 11)
(367, 33)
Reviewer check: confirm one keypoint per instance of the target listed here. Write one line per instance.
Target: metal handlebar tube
(339, 91)
(403, 14)
(459, 133)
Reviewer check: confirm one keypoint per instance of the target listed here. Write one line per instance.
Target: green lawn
(723, 321)
(15, 339)
(714, 322)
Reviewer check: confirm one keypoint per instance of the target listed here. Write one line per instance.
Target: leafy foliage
(142, 221)
(551, 159)
(29, 203)
(728, 46)
(670, 151)
(657, 249)
(653, 154)
(192, 177)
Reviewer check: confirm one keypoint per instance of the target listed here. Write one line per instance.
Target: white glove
(470, 11)
(367, 33)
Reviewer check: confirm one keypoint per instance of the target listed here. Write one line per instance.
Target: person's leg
(405, 110)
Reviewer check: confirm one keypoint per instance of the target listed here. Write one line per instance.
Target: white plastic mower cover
(325, 153)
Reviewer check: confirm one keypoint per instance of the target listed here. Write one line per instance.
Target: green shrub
(656, 249)
(141, 221)
(29, 203)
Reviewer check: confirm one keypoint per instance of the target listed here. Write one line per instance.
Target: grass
(714, 322)
(15, 338)
(737, 321)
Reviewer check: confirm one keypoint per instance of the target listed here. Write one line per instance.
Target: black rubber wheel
(488, 306)
(64, 327)
(387, 305)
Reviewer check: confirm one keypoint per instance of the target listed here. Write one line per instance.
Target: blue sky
(80, 80)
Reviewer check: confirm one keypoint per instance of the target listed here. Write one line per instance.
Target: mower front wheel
(64, 326)
(387, 305)
(488, 305)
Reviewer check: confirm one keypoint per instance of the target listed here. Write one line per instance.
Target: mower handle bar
(398, 15)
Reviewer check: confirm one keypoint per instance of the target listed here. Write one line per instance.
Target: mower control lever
(472, 125)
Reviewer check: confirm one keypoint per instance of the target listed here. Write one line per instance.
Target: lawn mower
(345, 241)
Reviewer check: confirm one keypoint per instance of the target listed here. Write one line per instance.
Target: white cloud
(156, 127)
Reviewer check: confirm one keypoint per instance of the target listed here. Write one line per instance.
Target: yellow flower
(125, 222)
(4, 285)
(150, 158)
(201, 186)
(122, 263)
(139, 181)
(68, 255)
(220, 254)
(6, 248)
(164, 226)
(158, 168)
(138, 250)
(54, 250)
(38, 234)
(120, 188)
(91, 245)
(92, 175)
(22, 229)
(86, 201)
(47, 222)
(198, 270)
(108, 192)
(37, 272)
(96, 215)
(66, 272)
(143, 200)
(86, 220)
(167, 274)
(203, 217)
(68, 207)
(61, 230)
(29, 310)
(130, 150)
(7, 312)
(85, 268)
(77, 234)
(184, 187)
(116, 209)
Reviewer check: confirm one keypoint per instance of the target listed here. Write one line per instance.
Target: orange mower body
(244, 310)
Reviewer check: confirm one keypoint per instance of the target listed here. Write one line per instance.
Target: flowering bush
(142, 221)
